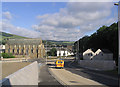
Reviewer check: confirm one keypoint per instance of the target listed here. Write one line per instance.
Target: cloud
(7, 15)
(69, 24)
(10, 28)
(75, 20)
(19, 30)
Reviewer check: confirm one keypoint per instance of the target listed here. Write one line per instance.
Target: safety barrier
(25, 76)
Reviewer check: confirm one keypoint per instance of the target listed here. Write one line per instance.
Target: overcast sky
(66, 21)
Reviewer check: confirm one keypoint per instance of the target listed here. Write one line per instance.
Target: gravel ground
(11, 67)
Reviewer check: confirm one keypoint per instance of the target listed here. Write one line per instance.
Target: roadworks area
(67, 78)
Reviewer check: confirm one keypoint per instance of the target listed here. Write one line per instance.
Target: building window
(32, 50)
(9, 50)
(27, 51)
(22, 51)
(36, 50)
(3, 50)
(102, 54)
(17, 51)
(59, 54)
(13, 51)
(64, 54)
(90, 54)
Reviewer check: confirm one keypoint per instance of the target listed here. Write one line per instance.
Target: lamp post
(77, 49)
(46, 52)
(118, 4)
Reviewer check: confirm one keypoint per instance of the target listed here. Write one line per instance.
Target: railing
(14, 59)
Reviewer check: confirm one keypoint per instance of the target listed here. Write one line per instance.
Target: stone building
(32, 48)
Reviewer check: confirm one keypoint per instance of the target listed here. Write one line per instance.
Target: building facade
(64, 52)
(103, 54)
(32, 48)
(88, 54)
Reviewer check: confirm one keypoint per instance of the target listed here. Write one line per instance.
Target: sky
(61, 21)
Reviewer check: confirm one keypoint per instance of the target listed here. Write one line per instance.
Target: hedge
(7, 55)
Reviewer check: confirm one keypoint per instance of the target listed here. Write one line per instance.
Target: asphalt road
(110, 81)
(46, 79)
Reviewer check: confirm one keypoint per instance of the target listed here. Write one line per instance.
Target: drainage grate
(73, 81)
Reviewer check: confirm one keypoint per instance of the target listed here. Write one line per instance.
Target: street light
(46, 51)
(118, 4)
(77, 49)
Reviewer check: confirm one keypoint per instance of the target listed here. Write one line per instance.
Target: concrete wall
(25, 76)
(98, 64)
(103, 56)
(99, 55)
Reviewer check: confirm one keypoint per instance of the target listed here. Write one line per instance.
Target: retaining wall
(98, 64)
(25, 76)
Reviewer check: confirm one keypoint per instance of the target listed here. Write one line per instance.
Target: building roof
(93, 49)
(105, 51)
(24, 41)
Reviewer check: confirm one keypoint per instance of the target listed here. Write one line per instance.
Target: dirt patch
(11, 67)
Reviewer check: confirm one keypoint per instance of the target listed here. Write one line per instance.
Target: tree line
(106, 37)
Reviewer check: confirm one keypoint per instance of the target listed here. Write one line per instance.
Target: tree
(52, 52)
(106, 37)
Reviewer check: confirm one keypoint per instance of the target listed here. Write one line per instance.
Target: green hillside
(4, 36)
(7, 35)
(51, 42)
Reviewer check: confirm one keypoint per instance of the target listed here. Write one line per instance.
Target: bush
(7, 55)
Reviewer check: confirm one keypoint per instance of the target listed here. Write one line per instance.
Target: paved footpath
(65, 77)
(106, 78)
